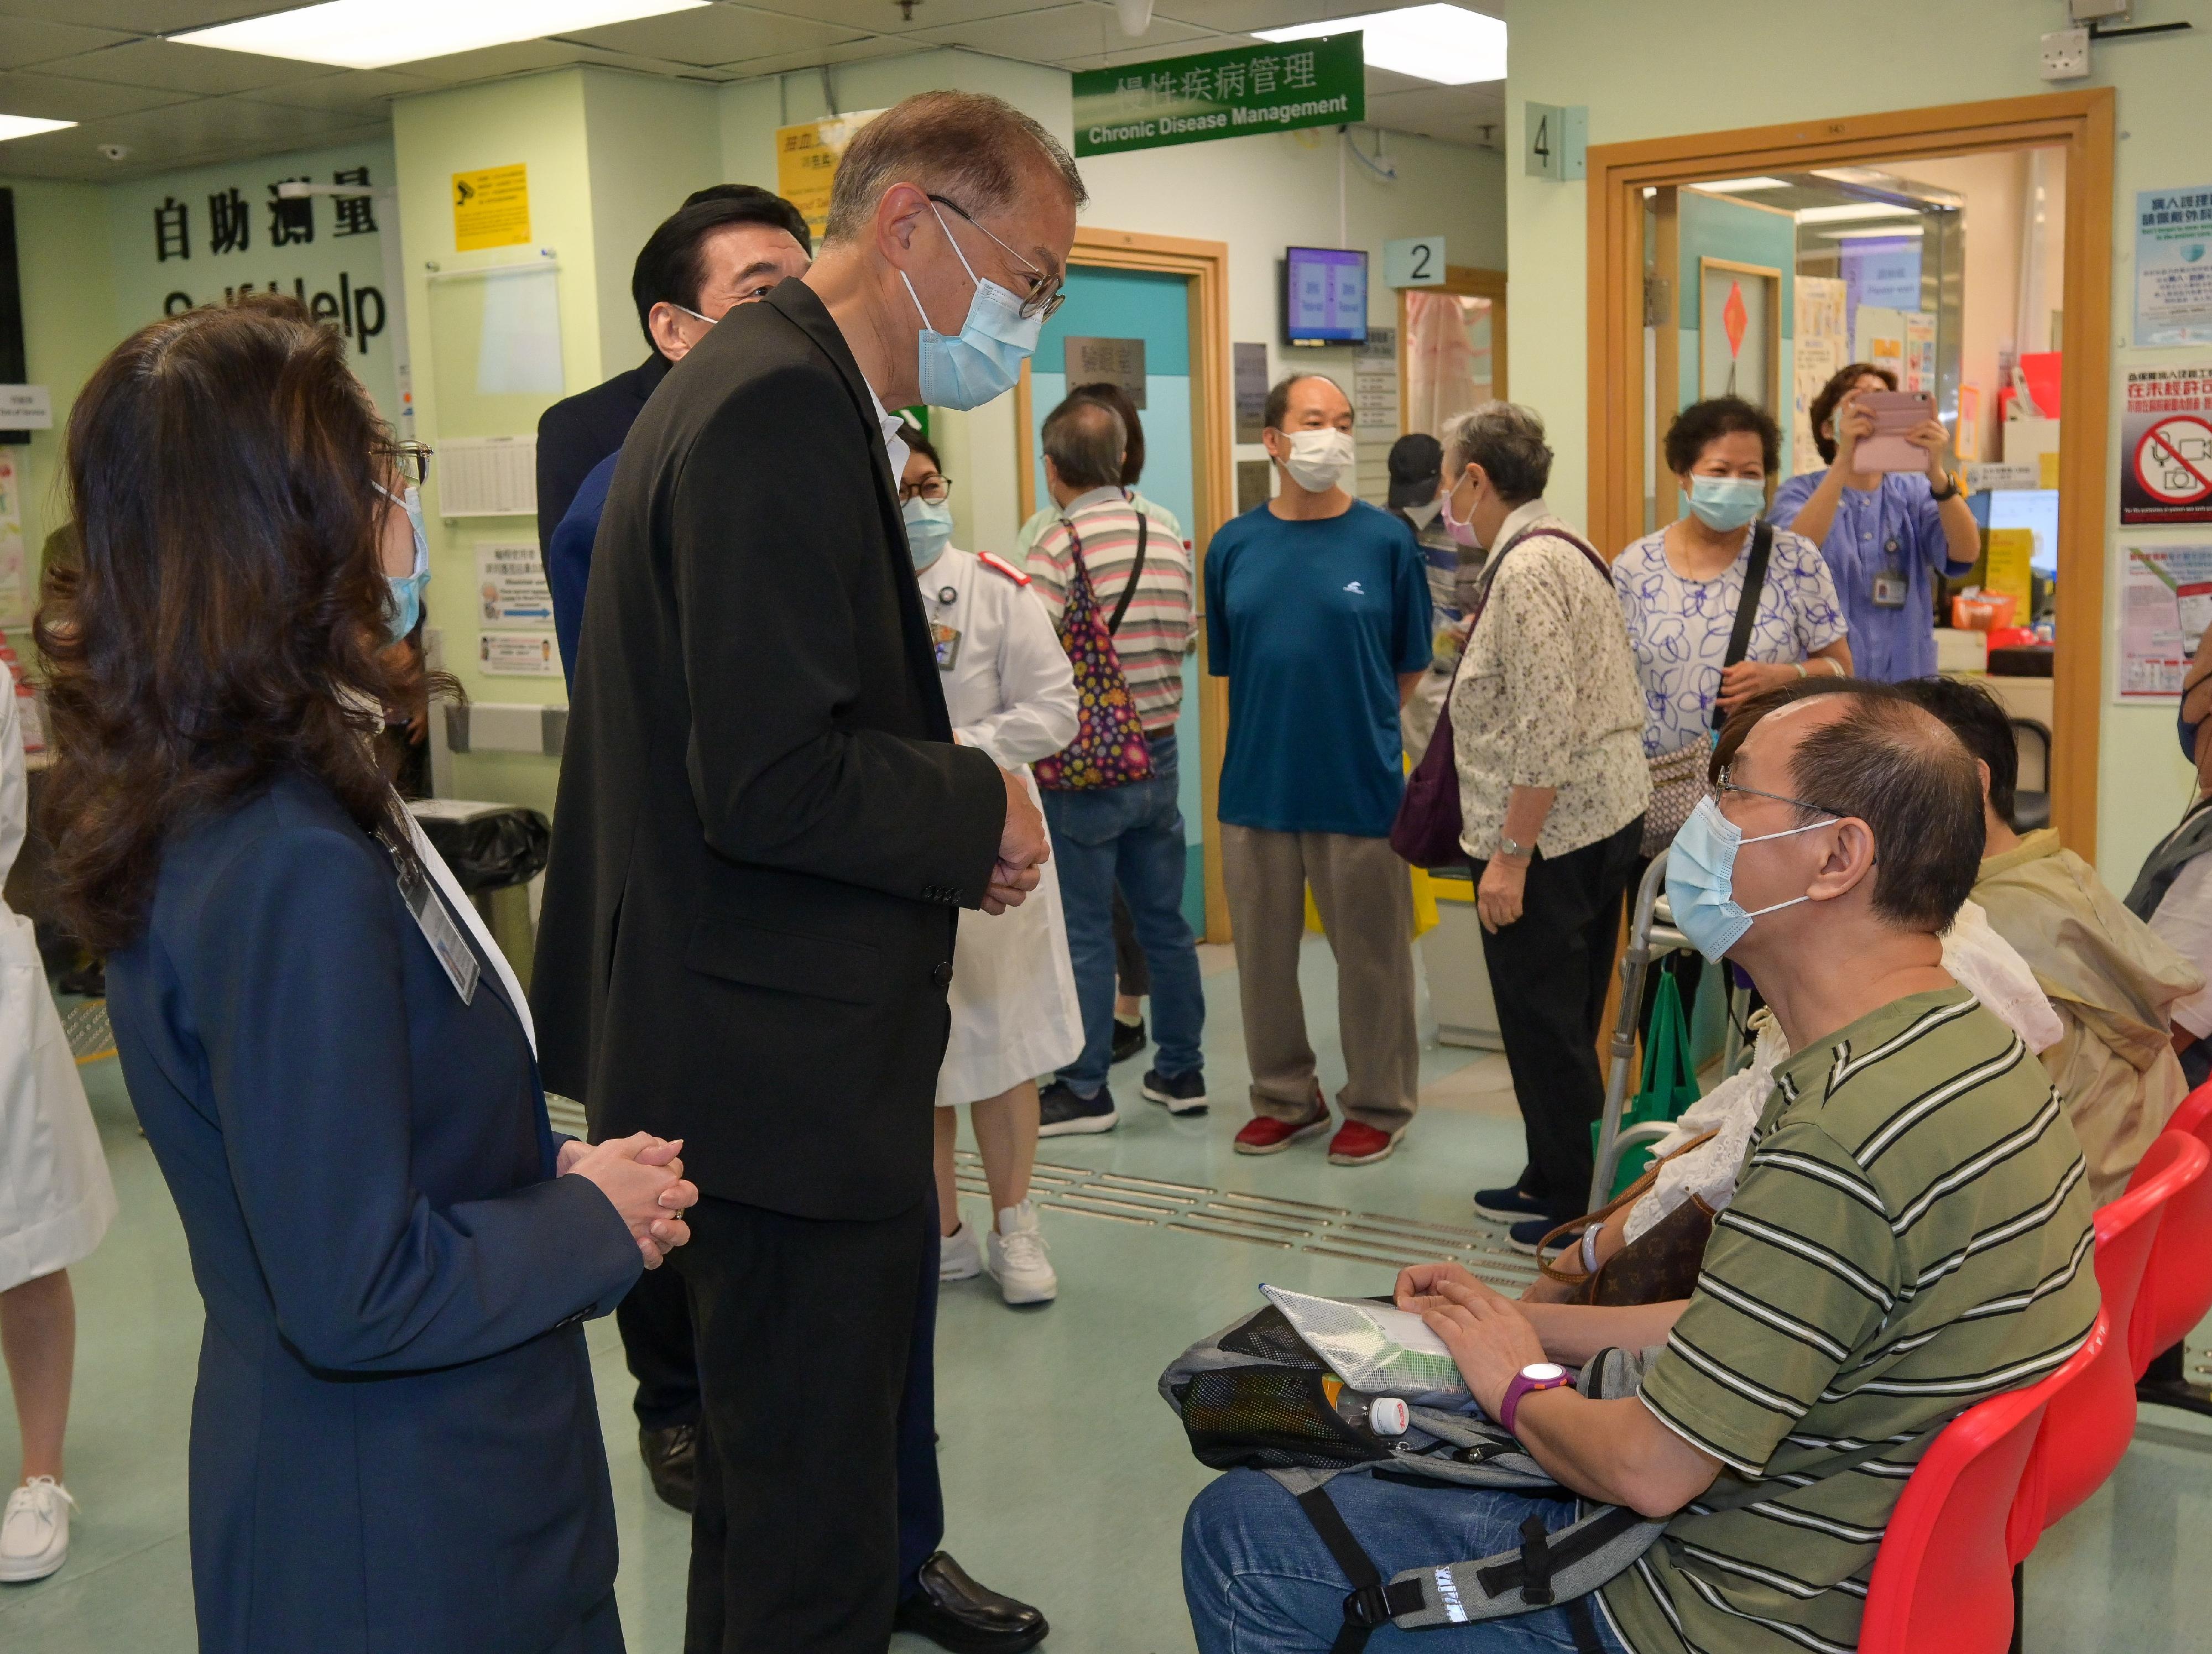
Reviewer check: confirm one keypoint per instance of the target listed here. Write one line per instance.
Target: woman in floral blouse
(1546, 727)
(1679, 588)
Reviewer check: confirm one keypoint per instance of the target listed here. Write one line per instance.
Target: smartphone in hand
(1895, 413)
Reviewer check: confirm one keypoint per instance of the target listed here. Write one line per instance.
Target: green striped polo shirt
(1911, 1234)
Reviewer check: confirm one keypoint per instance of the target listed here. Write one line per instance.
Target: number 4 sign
(1416, 261)
(1558, 140)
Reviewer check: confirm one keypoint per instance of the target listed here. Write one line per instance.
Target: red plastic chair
(2087, 1427)
(1943, 1577)
(2176, 1286)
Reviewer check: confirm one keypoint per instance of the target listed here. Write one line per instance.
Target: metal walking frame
(1651, 937)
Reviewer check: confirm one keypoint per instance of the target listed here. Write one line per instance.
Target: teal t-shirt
(1312, 623)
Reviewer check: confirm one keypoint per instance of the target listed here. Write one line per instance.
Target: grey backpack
(1253, 1396)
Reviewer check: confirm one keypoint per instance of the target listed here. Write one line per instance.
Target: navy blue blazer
(395, 1447)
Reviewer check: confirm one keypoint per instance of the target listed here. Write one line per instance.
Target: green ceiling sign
(1219, 94)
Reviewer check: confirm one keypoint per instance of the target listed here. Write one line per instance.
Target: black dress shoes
(671, 1459)
(956, 1613)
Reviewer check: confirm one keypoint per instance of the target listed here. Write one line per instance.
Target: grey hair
(966, 146)
(1085, 442)
(1507, 440)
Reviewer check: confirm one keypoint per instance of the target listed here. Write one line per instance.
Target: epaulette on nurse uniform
(991, 560)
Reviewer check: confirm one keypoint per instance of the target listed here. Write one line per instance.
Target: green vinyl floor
(1065, 1475)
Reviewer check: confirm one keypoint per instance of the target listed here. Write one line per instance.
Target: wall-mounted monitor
(1324, 295)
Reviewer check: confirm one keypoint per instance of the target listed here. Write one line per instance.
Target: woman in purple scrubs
(1886, 535)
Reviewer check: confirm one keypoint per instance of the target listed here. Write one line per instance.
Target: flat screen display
(1325, 295)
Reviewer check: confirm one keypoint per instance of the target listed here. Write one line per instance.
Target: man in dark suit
(765, 832)
(723, 247)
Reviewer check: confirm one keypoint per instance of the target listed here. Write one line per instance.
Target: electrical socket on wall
(2066, 54)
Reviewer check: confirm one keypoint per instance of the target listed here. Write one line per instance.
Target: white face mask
(1318, 458)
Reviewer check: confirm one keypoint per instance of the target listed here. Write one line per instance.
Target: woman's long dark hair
(227, 621)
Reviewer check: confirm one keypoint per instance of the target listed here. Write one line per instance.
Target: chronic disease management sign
(1219, 94)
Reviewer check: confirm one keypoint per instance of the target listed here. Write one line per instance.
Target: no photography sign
(2166, 434)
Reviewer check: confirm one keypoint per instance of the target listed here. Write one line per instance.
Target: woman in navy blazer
(395, 1447)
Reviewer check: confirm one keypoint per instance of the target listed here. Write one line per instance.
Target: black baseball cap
(1417, 460)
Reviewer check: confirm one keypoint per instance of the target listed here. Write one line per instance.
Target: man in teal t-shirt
(1317, 613)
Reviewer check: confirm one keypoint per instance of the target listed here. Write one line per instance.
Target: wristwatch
(1537, 1374)
(1513, 847)
(1950, 490)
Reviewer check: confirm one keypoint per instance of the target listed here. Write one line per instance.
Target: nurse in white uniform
(55, 1202)
(1010, 691)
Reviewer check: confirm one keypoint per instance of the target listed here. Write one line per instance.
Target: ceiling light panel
(1438, 43)
(16, 126)
(1856, 210)
(1741, 186)
(376, 34)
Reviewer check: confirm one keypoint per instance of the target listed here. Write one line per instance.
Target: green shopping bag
(1670, 1077)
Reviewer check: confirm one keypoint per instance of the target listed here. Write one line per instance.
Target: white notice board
(488, 477)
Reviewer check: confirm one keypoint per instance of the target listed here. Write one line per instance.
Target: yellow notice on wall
(2007, 574)
(491, 208)
(806, 157)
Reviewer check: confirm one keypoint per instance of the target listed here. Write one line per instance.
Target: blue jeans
(1259, 1580)
(1133, 836)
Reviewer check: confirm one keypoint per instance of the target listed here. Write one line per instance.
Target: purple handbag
(1426, 832)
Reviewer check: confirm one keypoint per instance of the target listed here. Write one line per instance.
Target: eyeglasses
(1045, 295)
(935, 490)
(1724, 786)
(412, 461)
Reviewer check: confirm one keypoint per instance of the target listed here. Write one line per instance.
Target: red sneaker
(1265, 1135)
(1358, 1144)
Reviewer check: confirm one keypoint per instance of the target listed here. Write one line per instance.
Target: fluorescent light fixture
(374, 33)
(1741, 186)
(1893, 233)
(1856, 210)
(1438, 43)
(16, 126)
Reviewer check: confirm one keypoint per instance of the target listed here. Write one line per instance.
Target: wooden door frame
(1204, 266)
(2080, 123)
(1468, 282)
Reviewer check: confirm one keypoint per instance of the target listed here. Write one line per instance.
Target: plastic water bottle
(1385, 1415)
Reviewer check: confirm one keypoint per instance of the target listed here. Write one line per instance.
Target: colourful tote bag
(1670, 1077)
(1108, 749)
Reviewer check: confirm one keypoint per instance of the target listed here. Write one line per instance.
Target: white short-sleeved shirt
(1678, 628)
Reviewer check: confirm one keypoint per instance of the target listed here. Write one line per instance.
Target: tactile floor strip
(1385, 1238)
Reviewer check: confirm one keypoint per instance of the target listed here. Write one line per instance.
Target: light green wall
(653, 141)
(69, 324)
(1663, 69)
(540, 121)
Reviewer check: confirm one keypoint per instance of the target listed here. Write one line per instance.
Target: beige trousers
(1366, 902)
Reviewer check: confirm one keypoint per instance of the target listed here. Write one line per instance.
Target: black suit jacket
(579, 431)
(763, 828)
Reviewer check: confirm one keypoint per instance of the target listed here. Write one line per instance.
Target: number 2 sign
(1416, 261)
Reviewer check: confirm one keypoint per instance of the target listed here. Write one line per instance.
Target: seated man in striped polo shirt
(1911, 1235)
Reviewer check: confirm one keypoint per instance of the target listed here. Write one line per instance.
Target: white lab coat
(1011, 693)
(56, 1198)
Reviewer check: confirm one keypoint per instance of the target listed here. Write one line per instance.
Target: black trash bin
(495, 851)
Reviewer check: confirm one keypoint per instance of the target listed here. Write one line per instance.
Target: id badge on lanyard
(444, 936)
(1891, 588)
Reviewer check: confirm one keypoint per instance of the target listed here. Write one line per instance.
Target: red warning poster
(2165, 446)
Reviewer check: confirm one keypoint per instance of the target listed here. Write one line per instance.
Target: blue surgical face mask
(1723, 503)
(407, 589)
(928, 529)
(1701, 879)
(984, 359)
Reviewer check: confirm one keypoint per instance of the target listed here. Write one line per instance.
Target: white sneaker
(958, 1258)
(1018, 1259)
(34, 1532)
